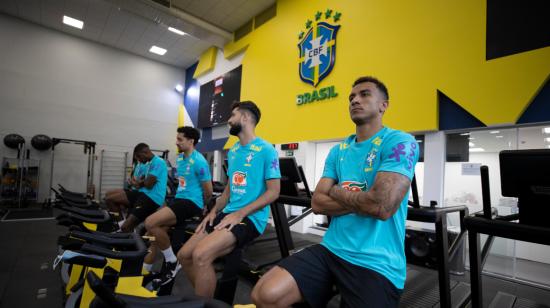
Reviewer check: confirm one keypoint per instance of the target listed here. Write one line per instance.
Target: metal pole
(442, 245)
(92, 171)
(101, 171)
(51, 167)
(124, 167)
(20, 171)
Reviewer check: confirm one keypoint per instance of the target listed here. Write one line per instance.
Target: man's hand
(208, 220)
(230, 221)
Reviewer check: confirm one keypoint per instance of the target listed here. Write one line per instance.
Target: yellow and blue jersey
(249, 167)
(156, 167)
(363, 240)
(192, 171)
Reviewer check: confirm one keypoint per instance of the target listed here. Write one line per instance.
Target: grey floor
(27, 279)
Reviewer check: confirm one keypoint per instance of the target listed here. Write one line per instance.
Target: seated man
(151, 185)
(254, 182)
(364, 187)
(193, 193)
(118, 199)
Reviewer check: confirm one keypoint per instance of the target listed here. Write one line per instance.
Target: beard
(235, 129)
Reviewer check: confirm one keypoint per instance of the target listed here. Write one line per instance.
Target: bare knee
(262, 296)
(277, 288)
(201, 257)
(150, 224)
(185, 255)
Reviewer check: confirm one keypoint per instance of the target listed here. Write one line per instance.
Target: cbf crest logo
(318, 47)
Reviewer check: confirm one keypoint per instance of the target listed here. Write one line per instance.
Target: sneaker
(169, 271)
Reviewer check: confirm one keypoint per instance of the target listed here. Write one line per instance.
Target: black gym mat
(28, 214)
(26, 276)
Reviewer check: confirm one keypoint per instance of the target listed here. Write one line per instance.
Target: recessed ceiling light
(499, 136)
(179, 88)
(477, 150)
(157, 50)
(546, 130)
(472, 144)
(176, 31)
(73, 22)
(494, 132)
(465, 134)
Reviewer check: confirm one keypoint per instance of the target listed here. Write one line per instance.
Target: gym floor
(27, 278)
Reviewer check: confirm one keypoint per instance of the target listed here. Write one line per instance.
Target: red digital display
(289, 146)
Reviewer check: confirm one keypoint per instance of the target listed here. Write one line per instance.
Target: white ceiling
(136, 25)
(226, 14)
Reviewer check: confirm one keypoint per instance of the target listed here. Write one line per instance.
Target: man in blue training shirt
(192, 195)
(151, 185)
(240, 214)
(119, 199)
(364, 188)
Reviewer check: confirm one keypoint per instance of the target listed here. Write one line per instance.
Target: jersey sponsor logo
(182, 183)
(354, 186)
(239, 178)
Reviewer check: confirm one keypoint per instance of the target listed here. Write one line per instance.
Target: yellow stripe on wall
(207, 62)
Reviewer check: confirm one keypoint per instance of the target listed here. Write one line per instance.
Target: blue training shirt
(249, 167)
(192, 171)
(138, 171)
(363, 240)
(156, 167)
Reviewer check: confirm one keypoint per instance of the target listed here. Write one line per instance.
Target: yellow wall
(415, 47)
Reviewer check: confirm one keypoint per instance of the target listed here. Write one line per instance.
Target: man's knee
(185, 254)
(201, 257)
(262, 296)
(151, 224)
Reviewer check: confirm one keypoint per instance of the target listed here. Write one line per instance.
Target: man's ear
(384, 105)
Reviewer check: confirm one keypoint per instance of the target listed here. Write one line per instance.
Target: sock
(148, 267)
(169, 255)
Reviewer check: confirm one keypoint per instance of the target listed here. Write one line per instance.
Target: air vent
(243, 30)
(265, 16)
(165, 3)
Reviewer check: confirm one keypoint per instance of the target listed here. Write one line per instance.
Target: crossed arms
(381, 201)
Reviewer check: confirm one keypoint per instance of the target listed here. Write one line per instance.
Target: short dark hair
(250, 107)
(190, 133)
(379, 84)
(140, 147)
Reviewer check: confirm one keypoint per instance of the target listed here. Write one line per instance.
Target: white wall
(62, 86)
